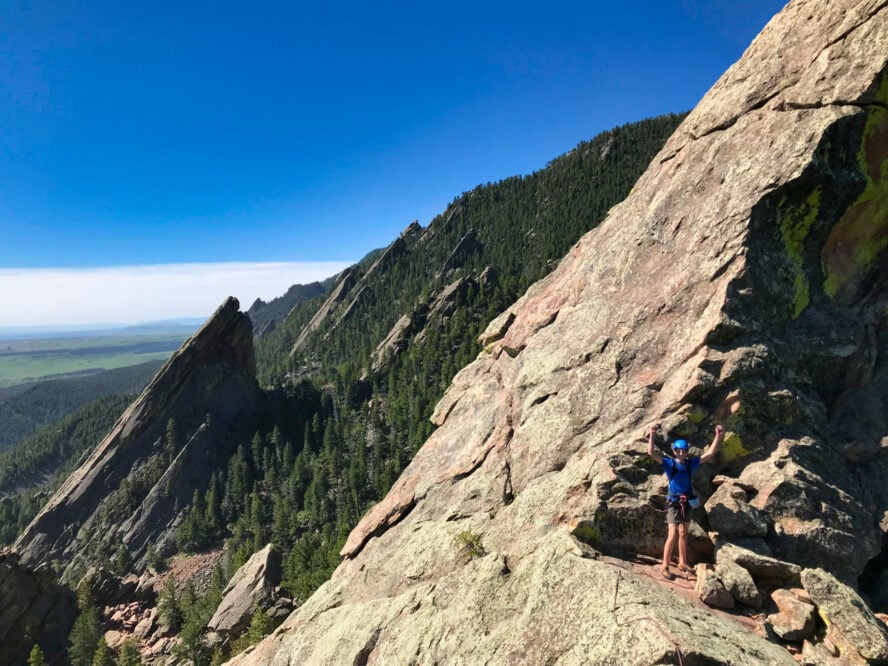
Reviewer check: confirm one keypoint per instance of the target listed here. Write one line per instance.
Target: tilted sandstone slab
(251, 589)
(710, 295)
(338, 295)
(208, 390)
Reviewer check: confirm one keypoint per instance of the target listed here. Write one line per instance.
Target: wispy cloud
(130, 294)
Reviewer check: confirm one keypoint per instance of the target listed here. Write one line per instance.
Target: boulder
(821, 653)
(768, 571)
(280, 610)
(114, 639)
(710, 589)
(145, 587)
(250, 589)
(849, 619)
(732, 516)
(146, 625)
(813, 518)
(794, 619)
(739, 583)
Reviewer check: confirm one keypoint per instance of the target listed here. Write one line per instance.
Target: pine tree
(36, 658)
(103, 655)
(260, 626)
(123, 561)
(85, 633)
(170, 441)
(129, 654)
(169, 606)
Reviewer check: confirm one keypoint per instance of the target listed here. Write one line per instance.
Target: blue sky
(136, 134)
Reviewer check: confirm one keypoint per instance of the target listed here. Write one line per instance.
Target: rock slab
(250, 589)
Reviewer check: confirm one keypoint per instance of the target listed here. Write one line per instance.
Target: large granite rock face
(743, 282)
(34, 609)
(133, 487)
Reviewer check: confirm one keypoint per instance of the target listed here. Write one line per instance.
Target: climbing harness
(683, 501)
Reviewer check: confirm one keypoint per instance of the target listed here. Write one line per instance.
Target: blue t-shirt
(679, 475)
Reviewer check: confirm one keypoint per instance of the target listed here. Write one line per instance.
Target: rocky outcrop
(34, 609)
(251, 589)
(392, 252)
(465, 248)
(743, 282)
(266, 316)
(131, 490)
(450, 298)
(795, 617)
(348, 295)
(852, 625)
(267, 328)
(416, 323)
(398, 338)
(338, 295)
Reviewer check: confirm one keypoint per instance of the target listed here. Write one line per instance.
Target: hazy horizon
(127, 295)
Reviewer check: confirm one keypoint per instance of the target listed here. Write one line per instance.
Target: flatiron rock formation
(132, 488)
(743, 282)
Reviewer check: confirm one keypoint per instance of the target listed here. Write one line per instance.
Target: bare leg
(669, 546)
(683, 545)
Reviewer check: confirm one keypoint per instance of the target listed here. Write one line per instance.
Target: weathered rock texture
(852, 625)
(132, 488)
(743, 282)
(34, 609)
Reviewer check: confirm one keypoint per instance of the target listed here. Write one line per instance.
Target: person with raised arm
(680, 497)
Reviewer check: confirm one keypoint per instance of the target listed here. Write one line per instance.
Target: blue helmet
(680, 444)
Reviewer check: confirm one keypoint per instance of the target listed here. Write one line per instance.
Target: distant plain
(25, 361)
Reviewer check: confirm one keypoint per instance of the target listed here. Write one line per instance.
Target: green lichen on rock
(861, 235)
(696, 414)
(587, 532)
(732, 448)
(794, 220)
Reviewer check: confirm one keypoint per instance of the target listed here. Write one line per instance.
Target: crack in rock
(730, 122)
(866, 19)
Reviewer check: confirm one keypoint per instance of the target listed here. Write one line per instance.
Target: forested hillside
(35, 467)
(26, 408)
(262, 314)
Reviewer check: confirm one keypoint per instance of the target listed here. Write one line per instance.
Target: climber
(680, 497)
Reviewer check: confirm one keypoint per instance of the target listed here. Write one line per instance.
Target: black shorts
(674, 514)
